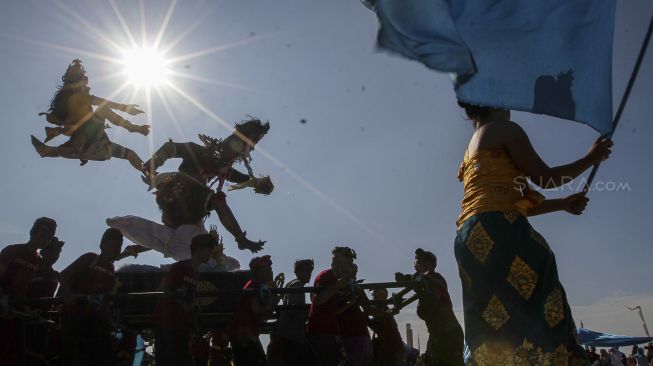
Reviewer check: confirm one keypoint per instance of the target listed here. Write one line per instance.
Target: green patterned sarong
(516, 310)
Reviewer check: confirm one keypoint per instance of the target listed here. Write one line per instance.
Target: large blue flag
(551, 57)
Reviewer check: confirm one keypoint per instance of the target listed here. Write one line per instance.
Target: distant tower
(409, 335)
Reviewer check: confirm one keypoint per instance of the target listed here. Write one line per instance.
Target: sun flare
(145, 67)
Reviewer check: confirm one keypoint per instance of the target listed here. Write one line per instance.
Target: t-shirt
(90, 275)
(171, 312)
(353, 322)
(292, 323)
(22, 263)
(388, 339)
(44, 284)
(322, 319)
(434, 306)
(245, 322)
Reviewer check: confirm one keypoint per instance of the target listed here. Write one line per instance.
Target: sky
(373, 166)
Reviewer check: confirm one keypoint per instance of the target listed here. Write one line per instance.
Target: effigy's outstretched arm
(262, 185)
(114, 118)
(234, 176)
(131, 109)
(218, 203)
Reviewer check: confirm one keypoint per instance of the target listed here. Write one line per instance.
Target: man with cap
(251, 311)
(446, 342)
(174, 315)
(291, 327)
(19, 265)
(323, 329)
(85, 322)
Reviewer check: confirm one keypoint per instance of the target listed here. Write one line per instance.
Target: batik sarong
(516, 310)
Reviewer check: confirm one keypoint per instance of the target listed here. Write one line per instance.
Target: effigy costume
(183, 197)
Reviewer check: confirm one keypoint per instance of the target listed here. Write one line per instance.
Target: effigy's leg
(143, 232)
(121, 152)
(71, 149)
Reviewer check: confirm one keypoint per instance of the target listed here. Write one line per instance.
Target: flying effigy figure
(71, 110)
(185, 197)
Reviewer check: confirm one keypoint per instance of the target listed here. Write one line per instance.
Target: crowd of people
(334, 330)
(639, 356)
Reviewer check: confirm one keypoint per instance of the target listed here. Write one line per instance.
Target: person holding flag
(516, 309)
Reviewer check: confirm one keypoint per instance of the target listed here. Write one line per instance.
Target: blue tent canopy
(591, 338)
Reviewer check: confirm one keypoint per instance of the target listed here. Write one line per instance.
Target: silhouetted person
(174, 316)
(19, 265)
(251, 312)
(323, 328)
(85, 320)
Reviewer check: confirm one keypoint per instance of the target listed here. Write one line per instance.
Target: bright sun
(145, 67)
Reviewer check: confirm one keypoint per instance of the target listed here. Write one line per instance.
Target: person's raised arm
(131, 109)
(234, 176)
(523, 154)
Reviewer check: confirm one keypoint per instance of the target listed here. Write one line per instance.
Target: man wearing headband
(173, 316)
(85, 320)
(251, 312)
(19, 265)
(291, 327)
(446, 343)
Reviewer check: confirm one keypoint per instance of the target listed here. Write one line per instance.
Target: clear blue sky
(383, 140)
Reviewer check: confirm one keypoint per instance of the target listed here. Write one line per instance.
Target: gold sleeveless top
(492, 182)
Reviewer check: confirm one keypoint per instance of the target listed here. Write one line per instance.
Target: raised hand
(600, 151)
(279, 280)
(143, 130)
(213, 230)
(132, 109)
(253, 246)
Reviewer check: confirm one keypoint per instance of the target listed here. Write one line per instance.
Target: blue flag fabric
(591, 338)
(549, 57)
